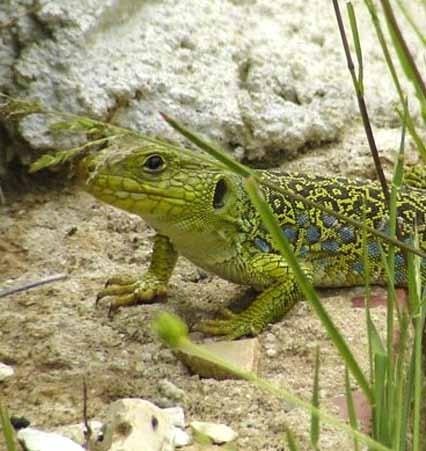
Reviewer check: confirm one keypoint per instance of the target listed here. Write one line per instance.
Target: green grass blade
(8, 432)
(401, 386)
(420, 145)
(397, 178)
(418, 312)
(381, 411)
(404, 55)
(367, 291)
(351, 409)
(409, 18)
(209, 147)
(389, 62)
(359, 92)
(291, 441)
(358, 49)
(377, 346)
(412, 22)
(407, 402)
(315, 426)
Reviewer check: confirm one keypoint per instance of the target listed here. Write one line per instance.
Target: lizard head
(166, 185)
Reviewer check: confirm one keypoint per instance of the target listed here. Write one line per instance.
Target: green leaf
(291, 441)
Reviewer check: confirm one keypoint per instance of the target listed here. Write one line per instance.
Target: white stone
(219, 433)
(271, 352)
(181, 438)
(176, 416)
(36, 440)
(6, 371)
(139, 425)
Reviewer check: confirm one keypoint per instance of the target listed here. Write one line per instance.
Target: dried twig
(87, 428)
(29, 285)
(361, 104)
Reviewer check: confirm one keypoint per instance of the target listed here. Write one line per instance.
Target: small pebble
(271, 352)
(181, 438)
(6, 371)
(219, 433)
(176, 415)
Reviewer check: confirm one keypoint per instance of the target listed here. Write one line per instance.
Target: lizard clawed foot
(234, 325)
(127, 291)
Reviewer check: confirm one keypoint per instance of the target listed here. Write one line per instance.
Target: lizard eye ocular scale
(154, 163)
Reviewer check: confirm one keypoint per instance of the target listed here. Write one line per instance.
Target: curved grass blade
(8, 432)
(315, 426)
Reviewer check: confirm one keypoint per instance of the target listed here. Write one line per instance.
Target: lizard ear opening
(219, 194)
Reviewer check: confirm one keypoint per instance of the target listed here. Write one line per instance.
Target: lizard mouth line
(134, 195)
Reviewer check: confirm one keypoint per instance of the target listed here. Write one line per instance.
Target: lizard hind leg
(416, 176)
(281, 293)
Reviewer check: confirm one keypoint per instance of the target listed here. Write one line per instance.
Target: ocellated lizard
(200, 210)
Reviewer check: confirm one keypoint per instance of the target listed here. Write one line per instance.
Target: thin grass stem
(359, 92)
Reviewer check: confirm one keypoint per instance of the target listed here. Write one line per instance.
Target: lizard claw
(111, 311)
(233, 326)
(126, 291)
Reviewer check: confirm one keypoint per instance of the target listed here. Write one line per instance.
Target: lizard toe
(121, 279)
(114, 291)
(121, 301)
(231, 328)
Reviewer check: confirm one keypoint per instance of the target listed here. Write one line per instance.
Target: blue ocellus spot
(302, 219)
(304, 251)
(330, 246)
(290, 233)
(328, 220)
(313, 234)
(373, 249)
(347, 234)
(400, 277)
(262, 245)
(358, 267)
(399, 261)
(384, 226)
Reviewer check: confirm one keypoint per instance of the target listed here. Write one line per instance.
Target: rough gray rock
(263, 78)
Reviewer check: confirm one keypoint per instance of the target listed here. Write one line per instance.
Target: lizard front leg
(127, 291)
(281, 293)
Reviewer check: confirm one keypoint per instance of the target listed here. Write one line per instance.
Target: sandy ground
(54, 336)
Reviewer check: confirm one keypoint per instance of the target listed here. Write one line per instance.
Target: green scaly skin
(200, 210)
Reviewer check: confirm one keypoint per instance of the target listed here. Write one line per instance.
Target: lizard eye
(219, 194)
(154, 163)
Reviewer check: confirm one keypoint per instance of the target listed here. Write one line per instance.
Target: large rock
(264, 78)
